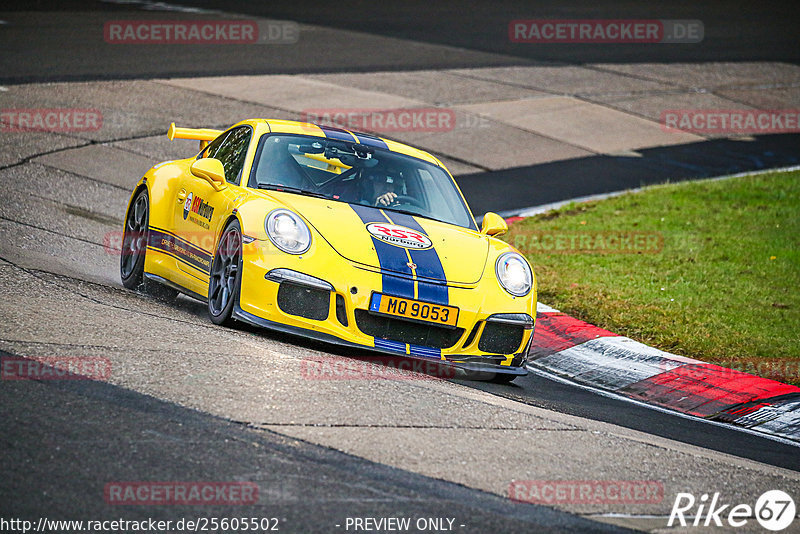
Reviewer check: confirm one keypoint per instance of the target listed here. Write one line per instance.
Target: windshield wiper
(414, 213)
(290, 189)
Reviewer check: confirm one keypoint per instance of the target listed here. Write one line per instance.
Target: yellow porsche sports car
(335, 235)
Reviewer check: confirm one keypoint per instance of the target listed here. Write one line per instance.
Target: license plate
(414, 309)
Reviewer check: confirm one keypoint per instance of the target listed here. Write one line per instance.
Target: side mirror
(212, 170)
(493, 224)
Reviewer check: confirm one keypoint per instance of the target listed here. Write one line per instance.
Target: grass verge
(709, 269)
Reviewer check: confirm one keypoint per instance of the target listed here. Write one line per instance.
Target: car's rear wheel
(226, 275)
(134, 250)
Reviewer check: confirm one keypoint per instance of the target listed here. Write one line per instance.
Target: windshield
(358, 174)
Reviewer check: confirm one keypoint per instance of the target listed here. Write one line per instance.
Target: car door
(201, 209)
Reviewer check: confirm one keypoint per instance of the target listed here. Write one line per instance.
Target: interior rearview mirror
(493, 224)
(212, 170)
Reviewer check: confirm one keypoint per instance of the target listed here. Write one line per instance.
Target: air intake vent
(472, 333)
(304, 301)
(341, 311)
(501, 338)
(407, 331)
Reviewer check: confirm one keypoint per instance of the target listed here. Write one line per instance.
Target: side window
(232, 152)
(213, 146)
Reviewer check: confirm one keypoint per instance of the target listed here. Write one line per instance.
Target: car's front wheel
(226, 275)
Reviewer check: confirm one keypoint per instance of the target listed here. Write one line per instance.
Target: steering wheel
(409, 200)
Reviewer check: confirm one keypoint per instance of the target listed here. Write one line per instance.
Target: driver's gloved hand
(385, 199)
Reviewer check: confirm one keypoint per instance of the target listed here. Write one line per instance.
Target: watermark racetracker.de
(192, 246)
(180, 493)
(422, 119)
(200, 32)
(373, 368)
(55, 368)
(730, 370)
(773, 369)
(588, 242)
(559, 492)
(731, 121)
(148, 524)
(597, 31)
(58, 120)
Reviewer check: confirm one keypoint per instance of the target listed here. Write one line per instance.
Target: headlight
(287, 231)
(514, 274)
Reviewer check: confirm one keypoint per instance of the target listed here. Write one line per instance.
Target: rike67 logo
(774, 510)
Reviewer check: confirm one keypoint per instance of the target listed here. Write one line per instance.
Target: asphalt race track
(447, 34)
(312, 489)
(186, 400)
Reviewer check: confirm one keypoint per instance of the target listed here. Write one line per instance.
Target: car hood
(395, 241)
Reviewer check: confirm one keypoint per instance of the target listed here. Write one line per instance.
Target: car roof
(307, 128)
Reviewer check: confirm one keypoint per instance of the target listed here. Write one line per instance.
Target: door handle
(181, 196)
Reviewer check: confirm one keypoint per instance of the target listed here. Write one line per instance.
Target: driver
(383, 189)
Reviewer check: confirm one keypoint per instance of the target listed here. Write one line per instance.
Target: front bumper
(334, 308)
(465, 363)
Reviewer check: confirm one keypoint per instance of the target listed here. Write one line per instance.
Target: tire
(134, 250)
(134, 241)
(225, 278)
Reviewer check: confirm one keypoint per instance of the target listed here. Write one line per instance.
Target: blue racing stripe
(337, 133)
(434, 293)
(394, 346)
(369, 140)
(390, 257)
(428, 263)
(428, 352)
(180, 249)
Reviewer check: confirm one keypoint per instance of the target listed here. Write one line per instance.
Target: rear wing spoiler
(204, 135)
